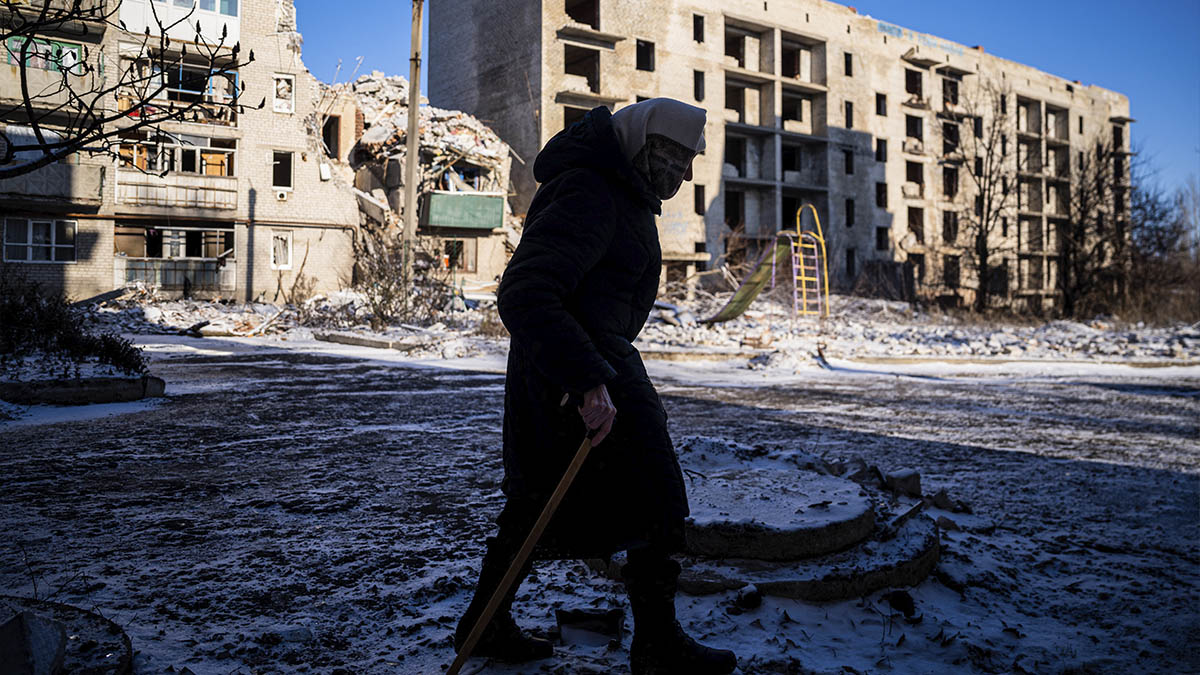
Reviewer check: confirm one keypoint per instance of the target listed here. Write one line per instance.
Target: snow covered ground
(302, 506)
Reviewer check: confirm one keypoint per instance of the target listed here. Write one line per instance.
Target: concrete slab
(903, 560)
(748, 513)
(94, 644)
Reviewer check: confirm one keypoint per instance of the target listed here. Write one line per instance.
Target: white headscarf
(676, 120)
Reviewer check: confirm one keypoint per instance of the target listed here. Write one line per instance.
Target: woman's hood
(592, 143)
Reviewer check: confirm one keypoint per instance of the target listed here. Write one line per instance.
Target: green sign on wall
(465, 210)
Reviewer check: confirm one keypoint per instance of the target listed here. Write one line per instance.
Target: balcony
(177, 190)
(88, 19)
(201, 274)
(913, 146)
(200, 113)
(64, 184)
(916, 101)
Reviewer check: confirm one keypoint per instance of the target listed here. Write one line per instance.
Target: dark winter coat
(575, 295)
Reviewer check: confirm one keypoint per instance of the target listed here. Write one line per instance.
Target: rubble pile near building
(449, 139)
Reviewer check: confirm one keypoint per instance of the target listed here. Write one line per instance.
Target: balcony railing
(913, 146)
(181, 190)
(81, 184)
(912, 190)
(199, 274)
(199, 113)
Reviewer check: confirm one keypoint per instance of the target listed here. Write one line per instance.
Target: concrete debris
(447, 134)
(32, 645)
(906, 482)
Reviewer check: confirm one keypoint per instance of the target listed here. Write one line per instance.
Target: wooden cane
(523, 555)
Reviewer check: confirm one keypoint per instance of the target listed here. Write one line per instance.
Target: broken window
(997, 281)
(39, 240)
(734, 209)
(572, 115)
(950, 182)
(849, 115)
(912, 83)
(284, 96)
(1003, 104)
(793, 106)
(698, 85)
(881, 239)
(850, 264)
(735, 154)
(49, 55)
(978, 124)
(917, 263)
(586, 12)
(949, 137)
(914, 127)
(698, 199)
(645, 55)
(184, 153)
(793, 156)
(281, 249)
(979, 206)
(281, 173)
(848, 64)
(950, 226)
(735, 99)
(849, 213)
(880, 150)
(950, 271)
(881, 104)
(735, 46)
(916, 223)
(949, 91)
(979, 167)
(914, 172)
(698, 28)
(881, 195)
(585, 63)
(848, 159)
(460, 255)
(796, 61)
(331, 136)
(1118, 134)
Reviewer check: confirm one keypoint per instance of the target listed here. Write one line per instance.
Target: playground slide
(778, 257)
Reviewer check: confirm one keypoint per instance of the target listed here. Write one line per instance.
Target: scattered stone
(905, 481)
(32, 645)
(947, 524)
(748, 597)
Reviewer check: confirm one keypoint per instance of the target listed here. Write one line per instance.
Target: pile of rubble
(444, 133)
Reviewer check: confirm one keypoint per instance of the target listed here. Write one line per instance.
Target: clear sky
(1147, 50)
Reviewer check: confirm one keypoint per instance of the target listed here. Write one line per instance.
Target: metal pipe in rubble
(413, 142)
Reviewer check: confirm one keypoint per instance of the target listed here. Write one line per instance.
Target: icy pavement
(304, 507)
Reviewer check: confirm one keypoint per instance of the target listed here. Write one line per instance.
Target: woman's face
(665, 164)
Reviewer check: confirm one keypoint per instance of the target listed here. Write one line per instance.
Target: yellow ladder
(811, 269)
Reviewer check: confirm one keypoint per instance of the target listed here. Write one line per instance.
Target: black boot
(660, 647)
(503, 639)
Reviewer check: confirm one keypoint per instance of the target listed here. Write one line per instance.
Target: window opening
(284, 97)
(586, 12)
(281, 174)
(645, 55)
(584, 63)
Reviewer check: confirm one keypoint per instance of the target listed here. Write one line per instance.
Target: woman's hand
(598, 412)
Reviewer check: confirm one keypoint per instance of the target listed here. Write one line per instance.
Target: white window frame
(292, 175)
(28, 244)
(275, 264)
(279, 105)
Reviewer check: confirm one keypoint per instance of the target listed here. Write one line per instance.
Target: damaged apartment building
(808, 102)
(463, 179)
(236, 204)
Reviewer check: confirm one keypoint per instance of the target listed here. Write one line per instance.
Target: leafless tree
(978, 154)
(1094, 240)
(90, 101)
(1164, 280)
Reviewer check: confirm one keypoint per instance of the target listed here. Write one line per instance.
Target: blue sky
(1146, 50)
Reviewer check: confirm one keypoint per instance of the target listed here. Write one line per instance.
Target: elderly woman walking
(574, 297)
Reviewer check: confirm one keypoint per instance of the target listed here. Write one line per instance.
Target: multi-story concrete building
(244, 205)
(808, 102)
